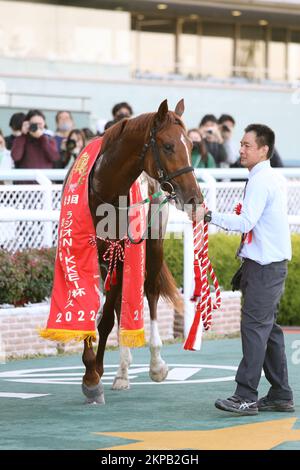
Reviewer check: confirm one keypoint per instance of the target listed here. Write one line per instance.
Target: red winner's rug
(75, 299)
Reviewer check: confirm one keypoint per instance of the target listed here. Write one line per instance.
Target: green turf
(62, 421)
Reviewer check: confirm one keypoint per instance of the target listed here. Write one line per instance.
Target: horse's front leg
(158, 368)
(121, 381)
(92, 387)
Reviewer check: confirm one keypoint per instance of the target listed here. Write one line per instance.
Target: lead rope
(204, 306)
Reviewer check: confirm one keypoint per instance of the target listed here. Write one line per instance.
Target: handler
(265, 250)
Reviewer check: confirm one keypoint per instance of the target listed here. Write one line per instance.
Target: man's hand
(207, 216)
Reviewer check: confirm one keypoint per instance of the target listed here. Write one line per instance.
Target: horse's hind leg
(121, 381)
(158, 368)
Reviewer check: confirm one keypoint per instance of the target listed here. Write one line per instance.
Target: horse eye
(168, 147)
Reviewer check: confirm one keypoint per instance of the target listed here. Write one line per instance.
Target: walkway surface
(41, 405)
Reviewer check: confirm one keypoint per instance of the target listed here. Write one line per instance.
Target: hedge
(222, 249)
(27, 276)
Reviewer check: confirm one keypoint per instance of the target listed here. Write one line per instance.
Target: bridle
(164, 178)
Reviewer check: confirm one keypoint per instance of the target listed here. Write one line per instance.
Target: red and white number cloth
(204, 305)
(75, 299)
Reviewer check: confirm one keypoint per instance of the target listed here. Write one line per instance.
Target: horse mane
(141, 123)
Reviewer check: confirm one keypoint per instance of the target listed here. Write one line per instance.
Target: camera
(196, 145)
(209, 131)
(71, 145)
(33, 127)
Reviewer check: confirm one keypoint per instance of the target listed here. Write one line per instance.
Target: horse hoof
(94, 394)
(120, 384)
(159, 373)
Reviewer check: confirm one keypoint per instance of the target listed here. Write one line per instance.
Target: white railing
(24, 207)
(29, 213)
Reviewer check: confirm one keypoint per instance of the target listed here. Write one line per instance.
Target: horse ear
(161, 113)
(179, 110)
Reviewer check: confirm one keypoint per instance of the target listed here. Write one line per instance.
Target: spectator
(74, 144)
(88, 134)
(201, 158)
(64, 125)
(214, 142)
(6, 162)
(15, 123)
(276, 161)
(109, 124)
(34, 149)
(121, 110)
(226, 126)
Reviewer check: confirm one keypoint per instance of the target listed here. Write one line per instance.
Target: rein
(163, 177)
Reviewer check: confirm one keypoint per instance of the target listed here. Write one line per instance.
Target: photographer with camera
(121, 110)
(34, 149)
(211, 134)
(74, 144)
(226, 126)
(201, 158)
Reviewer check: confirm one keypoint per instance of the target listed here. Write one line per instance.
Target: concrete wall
(19, 327)
(278, 108)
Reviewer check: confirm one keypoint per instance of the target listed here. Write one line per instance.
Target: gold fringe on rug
(63, 336)
(132, 338)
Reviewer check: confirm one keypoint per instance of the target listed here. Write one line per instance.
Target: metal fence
(29, 212)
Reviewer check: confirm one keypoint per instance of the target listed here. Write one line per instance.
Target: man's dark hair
(118, 106)
(16, 121)
(264, 136)
(35, 112)
(61, 112)
(226, 117)
(207, 118)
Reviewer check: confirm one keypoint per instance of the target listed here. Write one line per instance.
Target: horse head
(169, 161)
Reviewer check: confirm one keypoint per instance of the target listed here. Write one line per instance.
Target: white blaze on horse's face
(183, 140)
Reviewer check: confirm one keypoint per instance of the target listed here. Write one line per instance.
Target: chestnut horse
(157, 144)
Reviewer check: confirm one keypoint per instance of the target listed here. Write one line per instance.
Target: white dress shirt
(264, 211)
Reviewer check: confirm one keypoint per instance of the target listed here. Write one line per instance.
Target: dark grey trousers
(262, 339)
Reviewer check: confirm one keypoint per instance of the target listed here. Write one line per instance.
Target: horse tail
(168, 288)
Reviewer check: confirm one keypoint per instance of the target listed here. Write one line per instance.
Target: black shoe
(237, 405)
(266, 404)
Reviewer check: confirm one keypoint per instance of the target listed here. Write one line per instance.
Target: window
(217, 41)
(251, 52)
(189, 49)
(294, 56)
(153, 41)
(277, 51)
